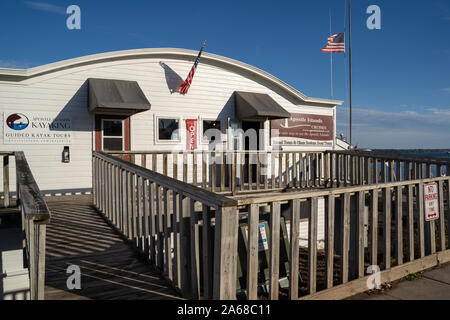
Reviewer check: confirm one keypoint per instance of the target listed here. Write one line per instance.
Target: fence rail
(233, 172)
(375, 225)
(171, 223)
(365, 221)
(6, 179)
(35, 216)
(236, 171)
(368, 167)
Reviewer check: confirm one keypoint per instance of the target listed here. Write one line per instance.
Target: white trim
(123, 131)
(17, 75)
(156, 130)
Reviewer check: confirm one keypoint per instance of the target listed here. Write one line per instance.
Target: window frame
(204, 141)
(123, 132)
(156, 130)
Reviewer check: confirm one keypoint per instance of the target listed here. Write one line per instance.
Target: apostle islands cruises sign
(304, 130)
(36, 128)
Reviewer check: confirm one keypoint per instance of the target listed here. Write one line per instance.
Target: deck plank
(110, 267)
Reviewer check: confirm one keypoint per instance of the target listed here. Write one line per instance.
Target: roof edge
(23, 74)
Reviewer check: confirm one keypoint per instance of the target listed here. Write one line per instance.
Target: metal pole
(350, 62)
(331, 62)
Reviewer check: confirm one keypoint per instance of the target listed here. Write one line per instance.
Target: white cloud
(404, 129)
(446, 90)
(445, 112)
(47, 7)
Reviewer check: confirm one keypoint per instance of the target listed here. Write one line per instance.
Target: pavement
(433, 285)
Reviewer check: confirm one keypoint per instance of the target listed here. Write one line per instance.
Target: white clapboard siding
(66, 91)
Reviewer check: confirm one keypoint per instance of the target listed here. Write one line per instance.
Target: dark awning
(250, 105)
(116, 97)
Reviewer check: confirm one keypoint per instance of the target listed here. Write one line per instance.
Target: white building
(79, 104)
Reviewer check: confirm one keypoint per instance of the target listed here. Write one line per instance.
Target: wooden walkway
(110, 268)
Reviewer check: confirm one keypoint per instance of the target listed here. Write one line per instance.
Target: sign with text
(431, 201)
(303, 129)
(191, 137)
(21, 128)
(263, 243)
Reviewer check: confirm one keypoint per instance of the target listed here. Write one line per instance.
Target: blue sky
(401, 73)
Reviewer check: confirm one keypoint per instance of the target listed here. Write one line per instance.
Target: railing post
(387, 227)
(312, 244)
(6, 180)
(35, 216)
(252, 252)
(40, 267)
(274, 246)
(225, 242)
(294, 249)
(329, 238)
(233, 173)
(94, 180)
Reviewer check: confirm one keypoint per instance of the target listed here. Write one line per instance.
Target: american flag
(187, 83)
(336, 43)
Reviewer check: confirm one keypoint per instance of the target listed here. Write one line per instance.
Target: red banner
(191, 136)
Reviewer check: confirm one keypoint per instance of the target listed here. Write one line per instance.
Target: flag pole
(331, 62)
(350, 62)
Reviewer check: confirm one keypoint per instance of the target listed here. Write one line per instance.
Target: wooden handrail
(393, 156)
(304, 194)
(31, 200)
(205, 196)
(365, 212)
(236, 171)
(206, 151)
(35, 216)
(150, 209)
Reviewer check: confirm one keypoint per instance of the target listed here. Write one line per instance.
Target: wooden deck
(110, 268)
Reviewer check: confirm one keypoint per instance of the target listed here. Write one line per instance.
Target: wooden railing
(380, 225)
(170, 222)
(236, 171)
(368, 167)
(6, 178)
(374, 222)
(35, 216)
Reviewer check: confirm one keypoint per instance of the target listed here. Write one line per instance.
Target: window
(168, 129)
(112, 135)
(210, 125)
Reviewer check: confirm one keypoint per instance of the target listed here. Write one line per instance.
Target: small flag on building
(187, 83)
(336, 43)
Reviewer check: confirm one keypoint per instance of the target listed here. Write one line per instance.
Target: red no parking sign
(431, 201)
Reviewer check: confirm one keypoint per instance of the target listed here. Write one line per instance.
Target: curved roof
(17, 75)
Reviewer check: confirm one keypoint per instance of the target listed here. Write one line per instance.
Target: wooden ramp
(110, 268)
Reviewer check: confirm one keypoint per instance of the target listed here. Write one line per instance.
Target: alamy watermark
(73, 22)
(374, 21)
(74, 280)
(374, 281)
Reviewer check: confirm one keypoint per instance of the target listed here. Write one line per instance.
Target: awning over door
(257, 106)
(116, 97)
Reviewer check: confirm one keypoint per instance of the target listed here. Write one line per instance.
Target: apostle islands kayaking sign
(36, 128)
(303, 130)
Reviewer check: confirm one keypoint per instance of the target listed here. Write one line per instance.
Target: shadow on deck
(110, 268)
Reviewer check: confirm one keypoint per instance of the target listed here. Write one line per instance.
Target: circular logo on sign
(17, 121)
